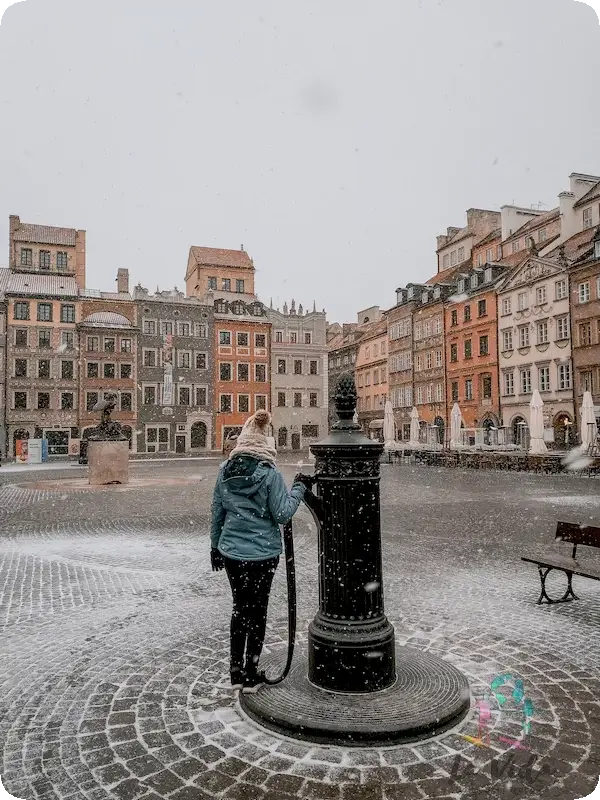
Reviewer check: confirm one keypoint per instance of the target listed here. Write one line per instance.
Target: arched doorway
(490, 431)
(19, 435)
(564, 434)
(198, 435)
(282, 437)
(295, 441)
(439, 422)
(520, 431)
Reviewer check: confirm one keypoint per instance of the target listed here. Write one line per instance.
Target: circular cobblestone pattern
(114, 656)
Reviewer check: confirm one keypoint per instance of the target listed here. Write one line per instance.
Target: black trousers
(250, 583)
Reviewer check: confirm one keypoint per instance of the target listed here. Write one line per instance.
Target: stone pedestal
(108, 462)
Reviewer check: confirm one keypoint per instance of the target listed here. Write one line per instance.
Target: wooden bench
(586, 535)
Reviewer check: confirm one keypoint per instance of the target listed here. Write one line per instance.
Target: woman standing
(250, 502)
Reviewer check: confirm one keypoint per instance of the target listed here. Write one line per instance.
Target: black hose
(290, 568)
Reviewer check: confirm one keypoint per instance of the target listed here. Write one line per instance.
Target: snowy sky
(334, 139)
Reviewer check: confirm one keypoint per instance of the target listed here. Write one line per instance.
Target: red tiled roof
(593, 194)
(513, 259)
(45, 234)
(489, 237)
(575, 246)
(536, 222)
(447, 274)
(217, 257)
(4, 276)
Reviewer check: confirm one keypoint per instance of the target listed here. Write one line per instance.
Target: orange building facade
(372, 377)
(472, 347)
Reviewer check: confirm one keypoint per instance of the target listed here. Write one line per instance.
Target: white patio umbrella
(588, 421)
(455, 420)
(414, 428)
(389, 425)
(536, 425)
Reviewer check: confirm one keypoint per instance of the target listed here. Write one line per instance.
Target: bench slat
(587, 535)
(565, 564)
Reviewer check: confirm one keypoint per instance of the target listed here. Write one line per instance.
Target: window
(66, 401)
(281, 366)
(126, 371)
(109, 344)
(544, 379)
(93, 343)
(598, 280)
(297, 399)
(21, 337)
(279, 336)
(20, 400)
(200, 330)
(468, 389)
(542, 332)
(454, 391)
(307, 337)
(226, 284)
(260, 340)
(540, 295)
(524, 336)
(45, 259)
(314, 368)
(542, 235)
(43, 400)
(293, 337)
(184, 359)
(525, 375)
(225, 403)
(22, 309)
(26, 257)
(91, 398)
(508, 384)
(564, 376)
(446, 261)
(126, 345)
(461, 254)
(225, 338)
(166, 328)
(453, 352)
(62, 260)
(437, 325)
(562, 327)
(467, 313)
(468, 349)
(486, 386)
(507, 340)
(584, 292)
(484, 348)
(126, 399)
(375, 377)
(221, 307)
(313, 400)
(461, 285)
(429, 360)
(44, 339)
(482, 308)
(67, 312)
(522, 301)
(243, 403)
(260, 401)
(20, 367)
(474, 280)
(298, 366)
(109, 370)
(200, 360)
(506, 306)
(515, 246)
(150, 327)
(67, 340)
(225, 372)
(439, 392)
(281, 399)
(149, 395)
(44, 312)
(44, 368)
(375, 350)
(560, 289)
(92, 369)
(242, 340)
(587, 218)
(239, 286)
(212, 283)
(243, 372)
(66, 370)
(454, 317)
(453, 258)
(149, 358)
(359, 380)
(586, 382)
(260, 372)
(201, 396)
(585, 333)
(489, 257)
(438, 358)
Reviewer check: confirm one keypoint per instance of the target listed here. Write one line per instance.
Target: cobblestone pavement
(113, 665)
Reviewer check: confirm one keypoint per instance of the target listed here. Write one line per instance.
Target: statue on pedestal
(108, 430)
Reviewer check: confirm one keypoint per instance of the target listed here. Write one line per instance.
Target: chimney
(242, 248)
(13, 224)
(123, 281)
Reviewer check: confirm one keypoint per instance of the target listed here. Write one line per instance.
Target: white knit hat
(253, 438)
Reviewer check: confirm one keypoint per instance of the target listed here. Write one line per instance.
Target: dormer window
(488, 275)
(437, 292)
(411, 292)
(399, 298)
(237, 308)
(424, 297)
(221, 307)
(597, 249)
(461, 286)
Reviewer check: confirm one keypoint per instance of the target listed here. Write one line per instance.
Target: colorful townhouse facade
(342, 343)
(371, 377)
(400, 357)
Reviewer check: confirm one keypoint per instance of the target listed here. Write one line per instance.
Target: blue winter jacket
(250, 502)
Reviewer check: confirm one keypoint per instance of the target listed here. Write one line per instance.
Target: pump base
(428, 697)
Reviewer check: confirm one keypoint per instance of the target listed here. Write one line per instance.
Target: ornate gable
(531, 271)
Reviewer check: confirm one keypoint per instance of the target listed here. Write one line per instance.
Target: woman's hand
(217, 561)
(305, 480)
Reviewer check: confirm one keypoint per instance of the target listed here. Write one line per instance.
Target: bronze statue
(108, 430)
